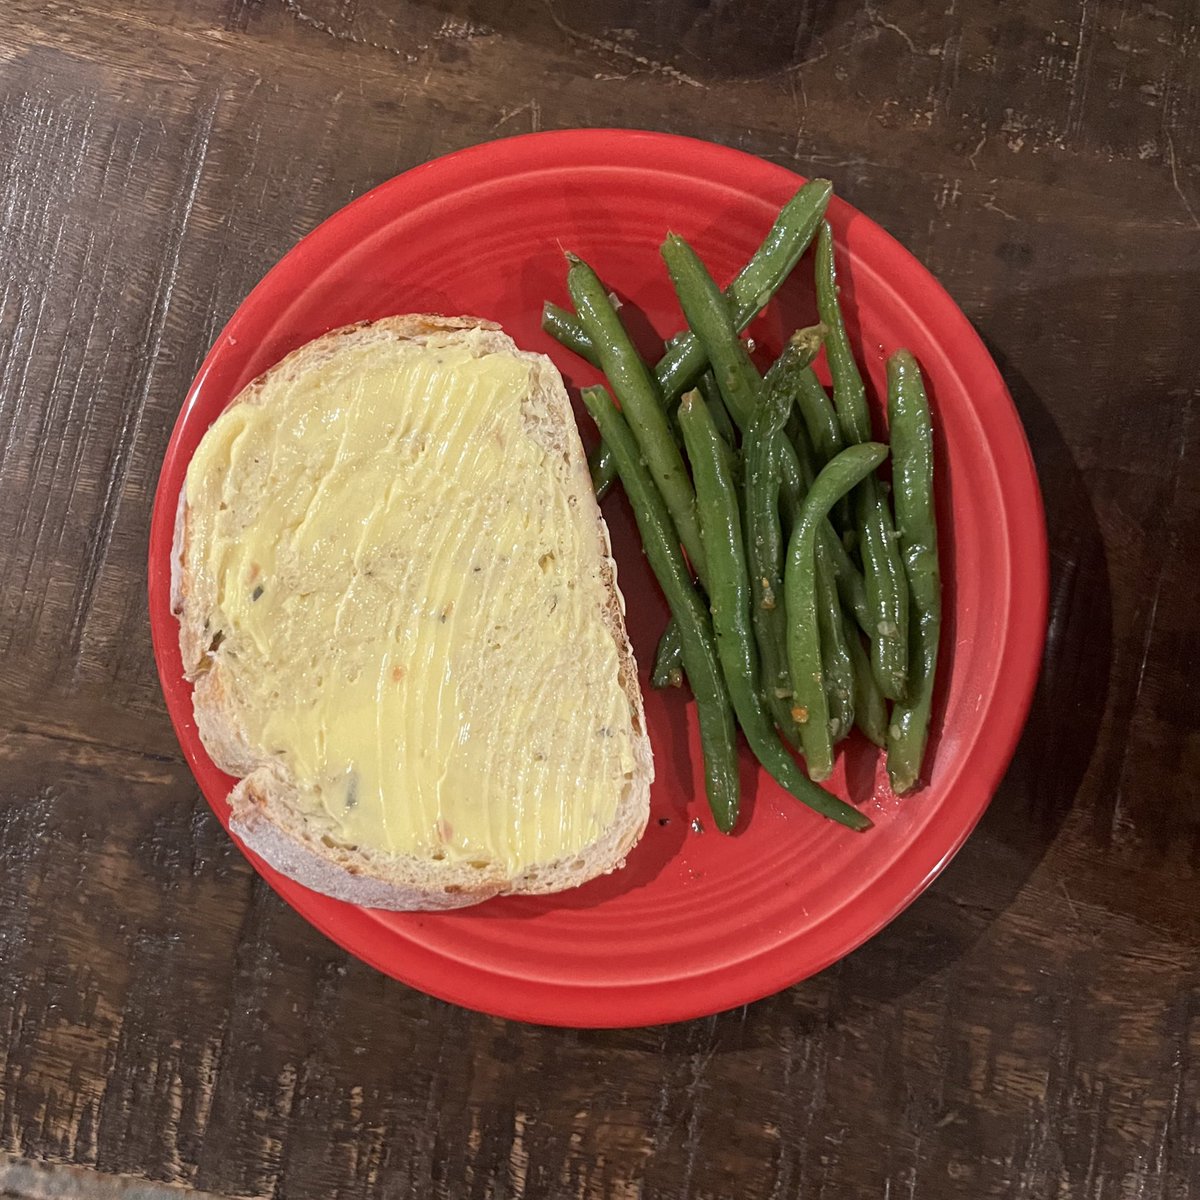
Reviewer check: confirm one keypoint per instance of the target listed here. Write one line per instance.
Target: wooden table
(1029, 1028)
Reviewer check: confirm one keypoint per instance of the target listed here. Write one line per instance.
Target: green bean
(836, 666)
(870, 708)
(668, 659)
(667, 662)
(816, 412)
(747, 295)
(569, 330)
(887, 591)
(716, 405)
(796, 357)
(764, 558)
(849, 395)
(835, 570)
(641, 403)
(566, 328)
(793, 457)
(798, 470)
(777, 474)
(837, 477)
(819, 417)
(795, 482)
(912, 474)
(721, 528)
(754, 285)
(850, 584)
(796, 476)
(718, 735)
(708, 314)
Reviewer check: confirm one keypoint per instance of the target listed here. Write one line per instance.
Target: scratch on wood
(1175, 180)
(532, 107)
(978, 147)
(881, 23)
(518, 1157)
(293, 9)
(1079, 72)
(991, 206)
(608, 46)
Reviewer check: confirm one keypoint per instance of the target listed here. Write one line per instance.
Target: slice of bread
(416, 665)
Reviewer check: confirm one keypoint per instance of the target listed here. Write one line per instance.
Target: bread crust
(266, 810)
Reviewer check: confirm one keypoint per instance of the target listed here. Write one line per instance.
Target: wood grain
(1028, 1028)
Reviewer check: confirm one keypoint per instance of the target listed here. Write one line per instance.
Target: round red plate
(697, 922)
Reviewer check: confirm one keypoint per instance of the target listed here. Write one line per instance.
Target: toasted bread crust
(266, 811)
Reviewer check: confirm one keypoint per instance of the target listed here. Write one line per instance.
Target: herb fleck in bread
(400, 614)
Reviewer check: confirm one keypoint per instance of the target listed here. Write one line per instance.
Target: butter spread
(408, 601)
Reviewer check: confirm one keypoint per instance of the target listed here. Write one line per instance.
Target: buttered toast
(400, 614)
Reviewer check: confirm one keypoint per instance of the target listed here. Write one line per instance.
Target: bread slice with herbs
(399, 610)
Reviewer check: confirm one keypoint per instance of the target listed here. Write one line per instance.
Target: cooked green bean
(816, 409)
(796, 477)
(794, 484)
(641, 403)
(912, 474)
(836, 665)
(792, 476)
(567, 329)
(716, 405)
(747, 295)
(870, 708)
(721, 528)
(795, 480)
(850, 584)
(849, 395)
(777, 474)
(795, 359)
(754, 285)
(802, 348)
(887, 590)
(708, 314)
(837, 477)
(764, 557)
(793, 457)
(736, 375)
(797, 471)
(718, 735)
(668, 658)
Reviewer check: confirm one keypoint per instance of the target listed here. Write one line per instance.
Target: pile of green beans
(805, 594)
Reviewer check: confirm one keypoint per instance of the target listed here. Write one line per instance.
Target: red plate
(696, 922)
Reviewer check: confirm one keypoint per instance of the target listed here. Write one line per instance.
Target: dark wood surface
(1029, 1028)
